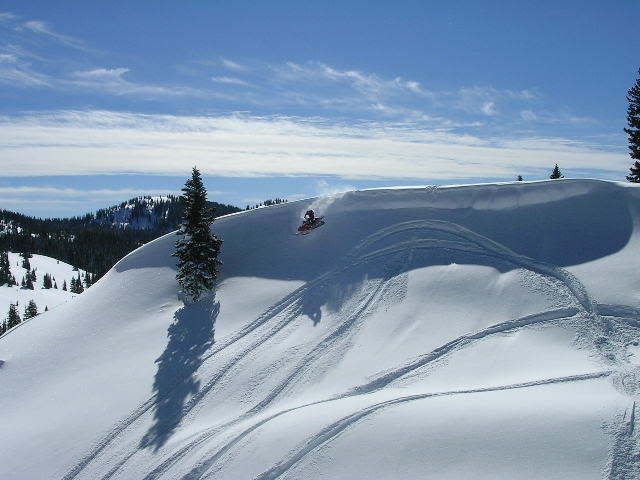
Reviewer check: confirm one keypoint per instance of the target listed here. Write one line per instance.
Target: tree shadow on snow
(190, 336)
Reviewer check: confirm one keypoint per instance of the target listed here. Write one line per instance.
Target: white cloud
(368, 84)
(7, 16)
(113, 81)
(43, 28)
(94, 142)
(229, 80)
(73, 192)
(234, 66)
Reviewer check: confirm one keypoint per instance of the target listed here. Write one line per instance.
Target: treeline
(94, 242)
(267, 203)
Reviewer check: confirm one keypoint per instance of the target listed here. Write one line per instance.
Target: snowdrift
(488, 331)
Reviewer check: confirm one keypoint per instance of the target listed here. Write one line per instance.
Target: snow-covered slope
(481, 331)
(51, 298)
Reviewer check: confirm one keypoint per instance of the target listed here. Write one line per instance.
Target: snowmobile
(311, 222)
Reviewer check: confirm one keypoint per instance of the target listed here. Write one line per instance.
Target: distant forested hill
(96, 241)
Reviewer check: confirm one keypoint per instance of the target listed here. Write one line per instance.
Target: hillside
(96, 241)
(486, 331)
(52, 297)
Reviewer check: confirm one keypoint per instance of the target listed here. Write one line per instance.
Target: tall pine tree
(5, 270)
(197, 249)
(556, 173)
(31, 310)
(633, 119)
(13, 318)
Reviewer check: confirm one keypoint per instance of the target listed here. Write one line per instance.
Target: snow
(51, 298)
(488, 331)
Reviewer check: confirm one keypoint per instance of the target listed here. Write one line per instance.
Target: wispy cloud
(113, 81)
(29, 191)
(368, 84)
(229, 80)
(46, 30)
(234, 66)
(18, 73)
(91, 142)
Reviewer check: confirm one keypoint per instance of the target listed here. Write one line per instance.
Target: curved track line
(355, 258)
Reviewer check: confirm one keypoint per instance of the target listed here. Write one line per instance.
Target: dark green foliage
(556, 173)
(27, 282)
(5, 270)
(267, 203)
(13, 318)
(31, 310)
(46, 281)
(33, 275)
(92, 242)
(633, 120)
(25, 261)
(197, 249)
(76, 285)
(64, 285)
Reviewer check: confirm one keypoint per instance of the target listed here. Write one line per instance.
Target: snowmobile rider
(309, 217)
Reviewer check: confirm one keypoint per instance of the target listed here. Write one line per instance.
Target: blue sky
(101, 101)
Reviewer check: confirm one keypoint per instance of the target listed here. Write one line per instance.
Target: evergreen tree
(197, 249)
(28, 283)
(520, 178)
(3, 327)
(46, 281)
(31, 310)
(25, 261)
(79, 288)
(556, 173)
(46, 308)
(5, 270)
(633, 120)
(55, 284)
(64, 285)
(87, 280)
(33, 275)
(13, 318)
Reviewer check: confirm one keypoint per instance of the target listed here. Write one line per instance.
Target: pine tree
(46, 281)
(5, 270)
(79, 288)
(28, 283)
(633, 119)
(64, 285)
(3, 327)
(25, 261)
(519, 179)
(31, 310)
(13, 318)
(556, 173)
(33, 275)
(46, 308)
(197, 249)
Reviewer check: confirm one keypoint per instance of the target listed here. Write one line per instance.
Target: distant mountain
(96, 241)
(161, 213)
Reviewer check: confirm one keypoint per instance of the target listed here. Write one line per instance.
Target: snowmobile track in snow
(286, 312)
